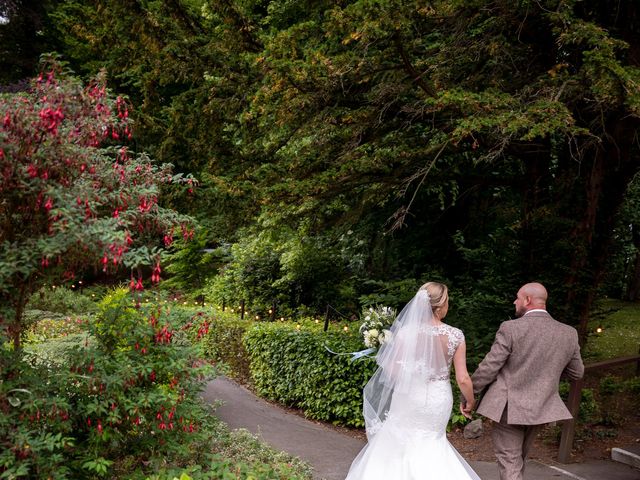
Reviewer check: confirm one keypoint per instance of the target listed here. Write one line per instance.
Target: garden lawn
(620, 336)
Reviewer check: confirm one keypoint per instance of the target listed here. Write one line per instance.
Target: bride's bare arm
(462, 376)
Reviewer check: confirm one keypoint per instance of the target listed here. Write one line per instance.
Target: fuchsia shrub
(72, 194)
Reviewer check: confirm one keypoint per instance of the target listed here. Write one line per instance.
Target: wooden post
(273, 311)
(242, 310)
(223, 304)
(326, 318)
(569, 426)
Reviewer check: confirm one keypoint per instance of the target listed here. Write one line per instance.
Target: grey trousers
(511, 444)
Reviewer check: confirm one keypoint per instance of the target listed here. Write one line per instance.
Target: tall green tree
(371, 100)
(493, 140)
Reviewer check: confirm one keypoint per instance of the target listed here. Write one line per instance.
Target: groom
(519, 378)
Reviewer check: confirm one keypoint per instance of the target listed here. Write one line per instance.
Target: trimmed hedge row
(291, 365)
(294, 368)
(223, 344)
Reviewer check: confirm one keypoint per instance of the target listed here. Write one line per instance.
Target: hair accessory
(423, 292)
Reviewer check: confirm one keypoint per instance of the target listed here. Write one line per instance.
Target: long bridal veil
(412, 357)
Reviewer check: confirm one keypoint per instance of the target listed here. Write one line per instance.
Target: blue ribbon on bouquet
(354, 355)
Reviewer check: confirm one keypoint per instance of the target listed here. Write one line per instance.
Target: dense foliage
(223, 344)
(71, 197)
(485, 143)
(500, 133)
(292, 366)
(108, 393)
(120, 406)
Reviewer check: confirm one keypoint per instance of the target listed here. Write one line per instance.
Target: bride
(408, 400)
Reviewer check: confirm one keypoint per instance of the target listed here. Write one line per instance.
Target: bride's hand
(467, 408)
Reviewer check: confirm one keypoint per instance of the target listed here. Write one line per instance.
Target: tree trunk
(16, 328)
(614, 166)
(536, 166)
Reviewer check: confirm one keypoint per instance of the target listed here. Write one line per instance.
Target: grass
(620, 336)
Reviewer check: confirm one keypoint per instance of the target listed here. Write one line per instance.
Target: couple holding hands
(408, 400)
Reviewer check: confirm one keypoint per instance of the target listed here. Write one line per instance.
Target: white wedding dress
(411, 443)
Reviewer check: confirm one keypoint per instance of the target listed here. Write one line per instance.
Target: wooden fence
(573, 402)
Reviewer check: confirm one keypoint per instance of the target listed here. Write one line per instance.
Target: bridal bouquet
(376, 324)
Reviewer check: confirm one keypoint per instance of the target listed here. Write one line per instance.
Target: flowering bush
(73, 195)
(377, 321)
(124, 393)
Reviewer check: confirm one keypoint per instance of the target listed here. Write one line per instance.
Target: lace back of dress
(413, 357)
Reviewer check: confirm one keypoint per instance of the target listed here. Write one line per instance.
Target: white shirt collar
(536, 310)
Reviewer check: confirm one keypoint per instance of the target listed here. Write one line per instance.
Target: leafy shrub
(589, 411)
(292, 366)
(395, 293)
(190, 263)
(49, 325)
(55, 352)
(133, 389)
(61, 300)
(235, 454)
(295, 270)
(610, 385)
(223, 344)
(241, 446)
(633, 386)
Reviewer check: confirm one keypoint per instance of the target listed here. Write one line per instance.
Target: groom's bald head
(530, 296)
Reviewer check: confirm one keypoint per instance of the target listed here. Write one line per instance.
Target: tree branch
(409, 68)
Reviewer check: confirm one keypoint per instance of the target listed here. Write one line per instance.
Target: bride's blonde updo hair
(438, 294)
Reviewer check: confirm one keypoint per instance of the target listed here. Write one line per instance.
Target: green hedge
(223, 344)
(292, 366)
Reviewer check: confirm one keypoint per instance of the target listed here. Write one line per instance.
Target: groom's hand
(467, 407)
(465, 410)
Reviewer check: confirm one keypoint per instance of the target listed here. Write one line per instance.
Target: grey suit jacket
(523, 369)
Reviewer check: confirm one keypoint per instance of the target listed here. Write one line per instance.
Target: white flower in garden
(373, 333)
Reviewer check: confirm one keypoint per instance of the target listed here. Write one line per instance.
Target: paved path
(331, 452)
